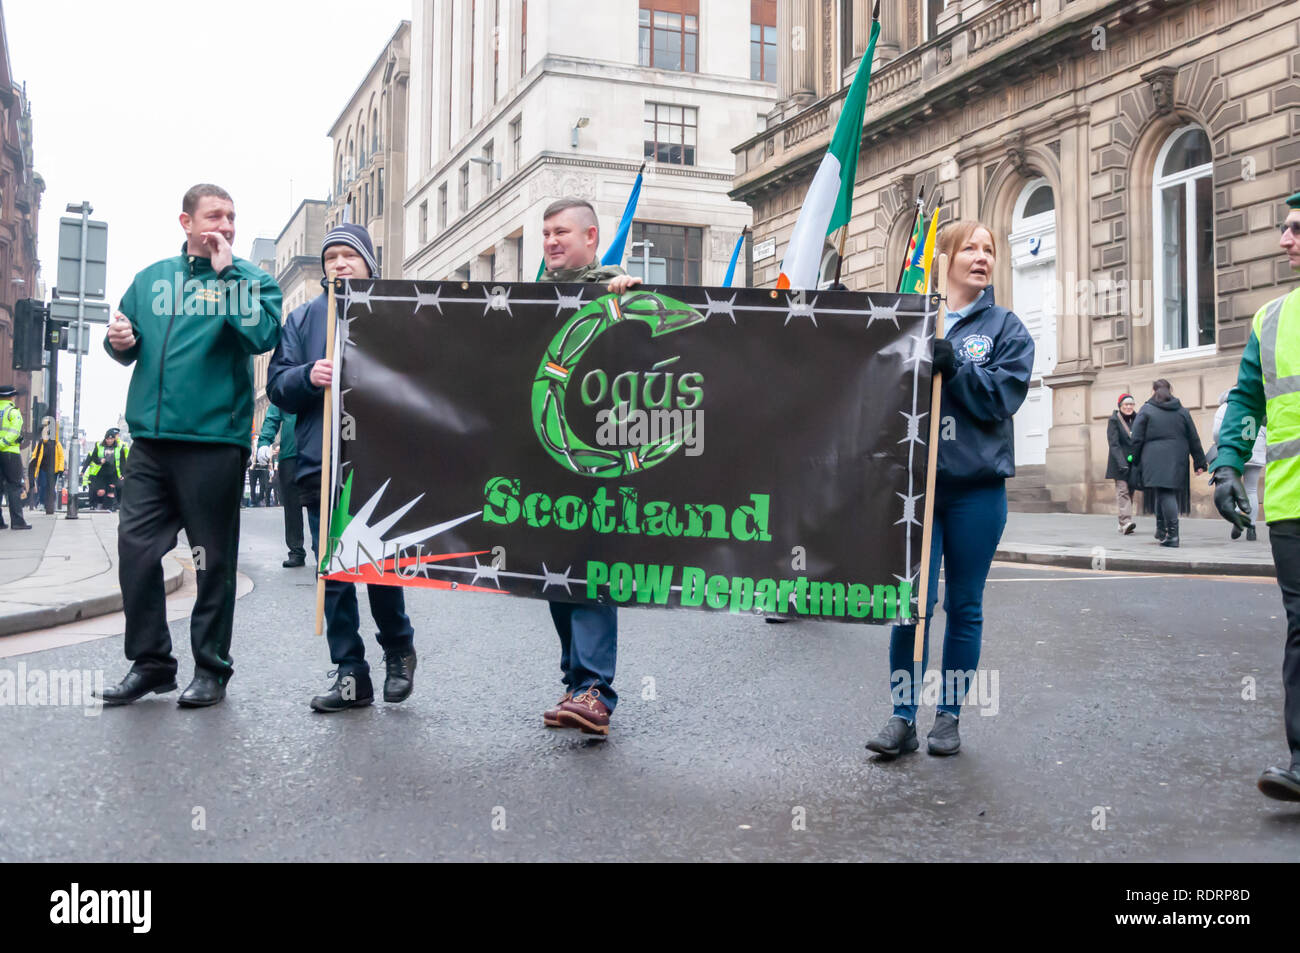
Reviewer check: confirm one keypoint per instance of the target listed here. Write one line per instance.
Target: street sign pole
(73, 443)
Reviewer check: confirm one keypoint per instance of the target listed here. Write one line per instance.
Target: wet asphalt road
(1120, 693)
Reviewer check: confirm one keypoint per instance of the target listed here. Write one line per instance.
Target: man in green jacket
(190, 325)
(276, 420)
(1268, 387)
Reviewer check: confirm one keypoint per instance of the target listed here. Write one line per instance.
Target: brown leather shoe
(586, 711)
(551, 717)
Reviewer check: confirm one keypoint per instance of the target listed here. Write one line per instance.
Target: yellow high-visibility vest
(1277, 328)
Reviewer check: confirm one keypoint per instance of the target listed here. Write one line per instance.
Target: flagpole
(839, 262)
(907, 259)
(327, 433)
(931, 472)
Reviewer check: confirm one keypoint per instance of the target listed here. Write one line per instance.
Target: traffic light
(56, 335)
(29, 335)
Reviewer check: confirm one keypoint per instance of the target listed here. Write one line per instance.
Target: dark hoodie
(1163, 438)
(996, 355)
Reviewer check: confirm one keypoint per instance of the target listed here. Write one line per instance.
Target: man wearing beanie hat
(296, 383)
(1268, 386)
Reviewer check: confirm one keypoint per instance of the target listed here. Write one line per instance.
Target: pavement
(66, 570)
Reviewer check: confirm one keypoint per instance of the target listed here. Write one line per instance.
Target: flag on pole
(614, 254)
(913, 270)
(927, 257)
(829, 202)
(735, 256)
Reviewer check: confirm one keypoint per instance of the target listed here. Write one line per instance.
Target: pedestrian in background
(190, 410)
(986, 359)
(1254, 467)
(1119, 434)
(1164, 436)
(277, 421)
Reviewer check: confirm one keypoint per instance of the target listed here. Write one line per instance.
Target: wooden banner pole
(326, 470)
(931, 472)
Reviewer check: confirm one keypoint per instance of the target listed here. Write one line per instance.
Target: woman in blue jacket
(986, 358)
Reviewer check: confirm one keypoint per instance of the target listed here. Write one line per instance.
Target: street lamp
(581, 124)
(484, 160)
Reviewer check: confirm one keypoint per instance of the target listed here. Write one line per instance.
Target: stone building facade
(369, 150)
(516, 103)
(1132, 159)
(20, 205)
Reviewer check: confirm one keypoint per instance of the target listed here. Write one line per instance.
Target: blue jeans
(343, 617)
(968, 523)
(588, 647)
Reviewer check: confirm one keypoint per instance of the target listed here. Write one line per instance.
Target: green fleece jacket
(276, 420)
(196, 332)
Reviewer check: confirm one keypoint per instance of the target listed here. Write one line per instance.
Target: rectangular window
(473, 53)
(516, 142)
(379, 192)
(464, 188)
(496, 50)
(424, 222)
(523, 39)
(442, 207)
(519, 258)
(489, 168)
(668, 34)
(670, 133)
(762, 40)
(674, 255)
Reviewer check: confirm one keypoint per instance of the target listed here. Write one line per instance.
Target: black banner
(739, 450)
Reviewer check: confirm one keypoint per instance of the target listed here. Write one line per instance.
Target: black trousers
(259, 485)
(1284, 536)
(11, 474)
(104, 490)
(1166, 509)
(175, 485)
(291, 500)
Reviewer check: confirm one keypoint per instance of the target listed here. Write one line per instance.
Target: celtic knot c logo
(664, 315)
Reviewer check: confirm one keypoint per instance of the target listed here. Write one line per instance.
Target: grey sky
(135, 101)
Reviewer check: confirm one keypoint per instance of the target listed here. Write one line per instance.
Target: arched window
(1183, 209)
(830, 261)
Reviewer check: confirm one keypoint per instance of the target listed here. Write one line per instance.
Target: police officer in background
(1268, 387)
(11, 460)
(103, 470)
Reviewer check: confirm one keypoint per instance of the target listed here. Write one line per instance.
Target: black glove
(1230, 497)
(945, 359)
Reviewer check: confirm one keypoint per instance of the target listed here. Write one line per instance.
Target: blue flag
(735, 256)
(614, 254)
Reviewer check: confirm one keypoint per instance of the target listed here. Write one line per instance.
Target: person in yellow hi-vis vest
(1268, 388)
(103, 470)
(11, 460)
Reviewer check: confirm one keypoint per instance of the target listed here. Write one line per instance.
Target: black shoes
(135, 686)
(205, 690)
(293, 562)
(1170, 541)
(943, 738)
(22, 526)
(1281, 785)
(348, 691)
(400, 676)
(897, 737)
(1251, 535)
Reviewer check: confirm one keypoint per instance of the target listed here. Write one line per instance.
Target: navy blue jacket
(996, 354)
(288, 380)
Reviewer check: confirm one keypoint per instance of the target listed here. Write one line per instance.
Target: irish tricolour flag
(829, 203)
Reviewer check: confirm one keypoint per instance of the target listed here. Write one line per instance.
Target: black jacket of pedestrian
(1163, 438)
(1119, 434)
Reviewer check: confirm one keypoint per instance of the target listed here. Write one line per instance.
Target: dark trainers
(897, 737)
(551, 717)
(586, 711)
(400, 676)
(1281, 785)
(943, 738)
(348, 691)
